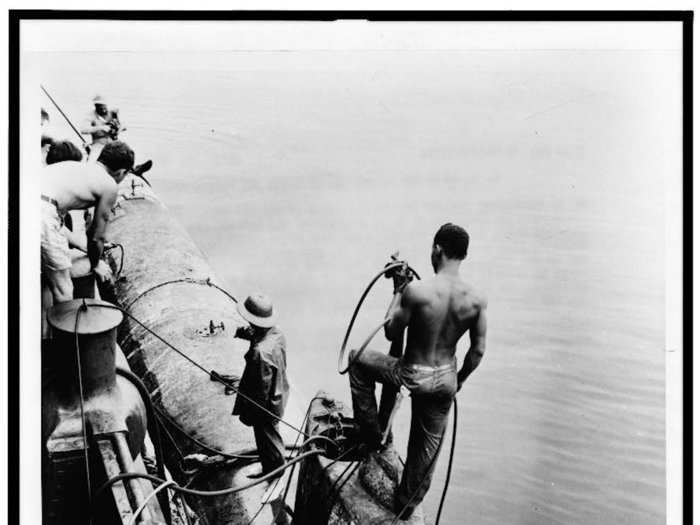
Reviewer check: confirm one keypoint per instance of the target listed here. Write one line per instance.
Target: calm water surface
(299, 173)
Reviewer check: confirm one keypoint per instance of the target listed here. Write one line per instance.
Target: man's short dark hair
(63, 150)
(117, 155)
(45, 139)
(453, 239)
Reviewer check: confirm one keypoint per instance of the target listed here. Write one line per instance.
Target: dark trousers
(270, 445)
(432, 391)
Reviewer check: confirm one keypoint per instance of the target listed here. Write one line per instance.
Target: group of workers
(68, 183)
(431, 315)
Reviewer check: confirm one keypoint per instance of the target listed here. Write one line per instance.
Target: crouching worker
(72, 185)
(437, 312)
(264, 384)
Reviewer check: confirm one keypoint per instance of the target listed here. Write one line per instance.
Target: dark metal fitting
(135, 185)
(214, 327)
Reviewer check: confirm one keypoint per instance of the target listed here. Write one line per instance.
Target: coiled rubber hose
(341, 355)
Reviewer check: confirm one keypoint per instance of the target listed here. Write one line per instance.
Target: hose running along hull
(167, 284)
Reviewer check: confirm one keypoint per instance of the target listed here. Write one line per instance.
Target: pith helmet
(257, 310)
(99, 99)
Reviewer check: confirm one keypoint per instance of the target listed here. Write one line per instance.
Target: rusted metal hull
(167, 284)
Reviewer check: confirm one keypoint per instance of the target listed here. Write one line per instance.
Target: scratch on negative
(557, 106)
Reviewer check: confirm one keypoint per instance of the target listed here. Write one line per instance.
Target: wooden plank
(112, 468)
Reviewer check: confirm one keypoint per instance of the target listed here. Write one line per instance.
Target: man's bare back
(77, 185)
(437, 312)
(442, 310)
(72, 185)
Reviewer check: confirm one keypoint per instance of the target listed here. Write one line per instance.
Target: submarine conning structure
(167, 285)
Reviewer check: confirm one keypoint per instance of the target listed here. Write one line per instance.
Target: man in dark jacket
(264, 380)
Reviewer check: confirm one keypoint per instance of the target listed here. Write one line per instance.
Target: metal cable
(82, 403)
(199, 443)
(63, 114)
(196, 364)
(151, 424)
(334, 494)
(429, 469)
(208, 493)
(291, 473)
(262, 506)
(342, 455)
(121, 258)
(203, 282)
(449, 464)
(148, 498)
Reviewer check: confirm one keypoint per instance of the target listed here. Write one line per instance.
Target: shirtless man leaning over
(71, 185)
(437, 312)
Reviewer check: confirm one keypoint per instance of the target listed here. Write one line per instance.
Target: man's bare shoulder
(417, 292)
(66, 176)
(99, 180)
(473, 295)
(67, 167)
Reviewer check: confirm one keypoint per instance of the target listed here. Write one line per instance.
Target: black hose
(291, 473)
(105, 250)
(357, 355)
(253, 457)
(196, 364)
(341, 355)
(153, 430)
(449, 464)
(208, 493)
(341, 456)
(82, 405)
(121, 258)
(190, 280)
(420, 485)
(200, 444)
(151, 408)
(430, 467)
(338, 486)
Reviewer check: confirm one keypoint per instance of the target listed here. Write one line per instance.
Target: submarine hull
(168, 286)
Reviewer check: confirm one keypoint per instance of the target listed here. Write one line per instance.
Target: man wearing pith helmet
(264, 384)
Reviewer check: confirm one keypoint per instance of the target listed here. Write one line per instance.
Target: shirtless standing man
(437, 313)
(74, 185)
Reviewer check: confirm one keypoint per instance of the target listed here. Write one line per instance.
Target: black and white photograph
(342, 268)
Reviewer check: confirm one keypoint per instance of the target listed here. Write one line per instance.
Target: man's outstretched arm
(477, 347)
